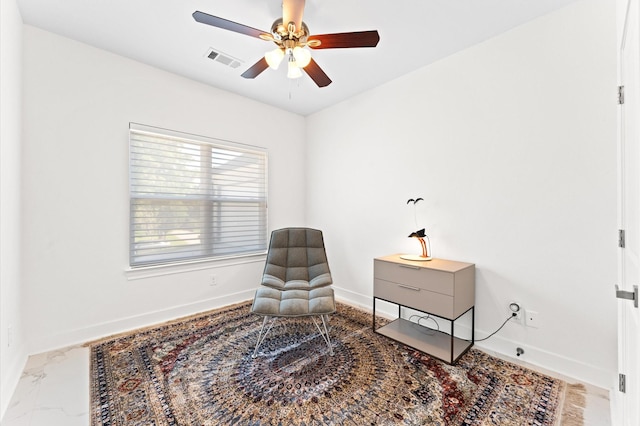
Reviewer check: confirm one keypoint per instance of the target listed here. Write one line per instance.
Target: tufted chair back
(296, 260)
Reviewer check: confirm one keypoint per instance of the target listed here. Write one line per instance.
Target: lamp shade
(294, 70)
(303, 56)
(274, 57)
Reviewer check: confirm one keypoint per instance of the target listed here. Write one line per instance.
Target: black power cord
(424, 328)
(427, 317)
(513, 315)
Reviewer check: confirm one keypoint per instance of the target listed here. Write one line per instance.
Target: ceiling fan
(291, 35)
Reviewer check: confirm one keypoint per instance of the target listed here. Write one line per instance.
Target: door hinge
(622, 383)
(620, 95)
(628, 295)
(621, 238)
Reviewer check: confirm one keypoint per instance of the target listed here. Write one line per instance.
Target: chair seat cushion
(292, 303)
(277, 283)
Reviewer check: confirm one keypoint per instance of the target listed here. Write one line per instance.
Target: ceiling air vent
(221, 57)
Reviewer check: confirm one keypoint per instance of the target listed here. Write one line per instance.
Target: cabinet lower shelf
(427, 340)
(443, 290)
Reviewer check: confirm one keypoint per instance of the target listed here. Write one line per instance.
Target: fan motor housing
(281, 33)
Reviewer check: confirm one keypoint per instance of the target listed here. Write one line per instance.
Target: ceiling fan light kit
(274, 57)
(302, 56)
(291, 40)
(293, 71)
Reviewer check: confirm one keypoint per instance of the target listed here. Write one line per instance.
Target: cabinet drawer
(414, 297)
(427, 279)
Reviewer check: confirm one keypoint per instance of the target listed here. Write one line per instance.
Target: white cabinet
(441, 288)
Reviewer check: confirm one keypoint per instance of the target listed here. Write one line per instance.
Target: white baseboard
(98, 331)
(533, 357)
(556, 364)
(352, 298)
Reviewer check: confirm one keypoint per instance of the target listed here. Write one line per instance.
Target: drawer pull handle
(409, 287)
(409, 267)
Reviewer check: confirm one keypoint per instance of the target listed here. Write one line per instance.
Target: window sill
(144, 272)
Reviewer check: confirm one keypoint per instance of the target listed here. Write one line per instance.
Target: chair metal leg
(268, 323)
(325, 320)
(324, 333)
(261, 335)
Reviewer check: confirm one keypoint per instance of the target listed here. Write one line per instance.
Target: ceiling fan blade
(316, 74)
(345, 40)
(225, 24)
(256, 69)
(292, 11)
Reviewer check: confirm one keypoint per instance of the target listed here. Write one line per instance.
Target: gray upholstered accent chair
(296, 282)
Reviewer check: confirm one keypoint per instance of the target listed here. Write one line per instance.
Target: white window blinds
(194, 198)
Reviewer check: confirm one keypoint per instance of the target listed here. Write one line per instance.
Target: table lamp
(421, 236)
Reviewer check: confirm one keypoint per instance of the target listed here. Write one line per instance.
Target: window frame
(208, 251)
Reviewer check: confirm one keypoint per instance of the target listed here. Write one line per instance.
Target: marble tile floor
(54, 391)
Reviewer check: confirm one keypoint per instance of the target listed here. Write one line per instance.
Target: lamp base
(415, 257)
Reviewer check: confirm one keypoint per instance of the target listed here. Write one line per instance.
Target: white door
(629, 210)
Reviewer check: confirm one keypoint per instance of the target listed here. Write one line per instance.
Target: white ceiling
(162, 33)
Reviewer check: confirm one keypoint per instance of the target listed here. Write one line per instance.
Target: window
(194, 198)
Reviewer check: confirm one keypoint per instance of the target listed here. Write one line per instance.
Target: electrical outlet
(10, 336)
(214, 281)
(515, 308)
(532, 319)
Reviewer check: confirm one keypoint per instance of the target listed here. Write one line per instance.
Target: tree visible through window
(194, 198)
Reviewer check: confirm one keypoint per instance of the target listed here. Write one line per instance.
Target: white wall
(78, 102)
(511, 143)
(12, 349)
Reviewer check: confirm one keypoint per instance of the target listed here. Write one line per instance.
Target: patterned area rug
(199, 371)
